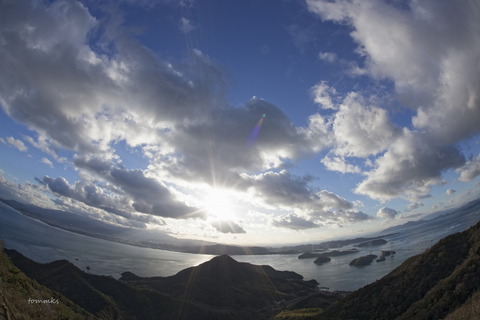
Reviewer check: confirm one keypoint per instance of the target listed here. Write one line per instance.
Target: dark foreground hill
(442, 283)
(22, 298)
(224, 282)
(103, 296)
(221, 288)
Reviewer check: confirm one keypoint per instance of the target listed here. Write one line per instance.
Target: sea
(44, 243)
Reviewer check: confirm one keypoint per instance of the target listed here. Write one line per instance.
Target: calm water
(44, 243)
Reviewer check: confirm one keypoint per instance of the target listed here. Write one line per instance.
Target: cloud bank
(87, 88)
(429, 51)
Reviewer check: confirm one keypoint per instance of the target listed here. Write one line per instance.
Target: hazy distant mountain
(82, 224)
(468, 214)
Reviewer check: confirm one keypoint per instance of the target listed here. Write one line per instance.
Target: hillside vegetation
(221, 288)
(20, 297)
(441, 283)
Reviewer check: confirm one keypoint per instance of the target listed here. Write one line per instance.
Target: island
(321, 260)
(363, 261)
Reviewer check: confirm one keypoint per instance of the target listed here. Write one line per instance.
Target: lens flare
(253, 136)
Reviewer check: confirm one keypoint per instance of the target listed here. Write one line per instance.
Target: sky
(241, 122)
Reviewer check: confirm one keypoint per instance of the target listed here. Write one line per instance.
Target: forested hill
(442, 283)
(221, 288)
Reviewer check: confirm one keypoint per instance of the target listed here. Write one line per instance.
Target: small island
(321, 260)
(385, 253)
(363, 261)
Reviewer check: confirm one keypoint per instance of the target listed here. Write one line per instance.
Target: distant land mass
(376, 242)
(221, 288)
(80, 224)
(442, 283)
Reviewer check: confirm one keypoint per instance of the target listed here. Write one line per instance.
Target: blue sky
(138, 113)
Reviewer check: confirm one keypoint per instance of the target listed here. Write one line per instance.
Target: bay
(44, 243)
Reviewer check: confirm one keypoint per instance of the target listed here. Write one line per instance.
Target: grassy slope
(469, 310)
(16, 288)
(108, 298)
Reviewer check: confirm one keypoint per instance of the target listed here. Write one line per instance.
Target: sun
(218, 204)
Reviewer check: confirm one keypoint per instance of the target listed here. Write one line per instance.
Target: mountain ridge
(221, 288)
(427, 286)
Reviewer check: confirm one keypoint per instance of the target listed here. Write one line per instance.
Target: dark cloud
(95, 196)
(410, 167)
(227, 227)
(59, 78)
(77, 96)
(288, 191)
(292, 221)
(282, 189)
(216, 147)
(148, 195)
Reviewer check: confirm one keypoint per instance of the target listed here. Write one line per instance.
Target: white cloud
(85, 100)
(95, 100)
(449, 192)
(387, 213)
(414, 205)
(412, 164)
(79, 96)
(328, 56)
(339, 164)
(362, 130)
(324, 95)
(27, 192)
(470, 170)
(429, 50)
(17, 144)
(47, 162)
(186, 25)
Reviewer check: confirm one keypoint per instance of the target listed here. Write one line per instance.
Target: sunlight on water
(44, 243)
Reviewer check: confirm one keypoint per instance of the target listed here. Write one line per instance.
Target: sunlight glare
(218, 204)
